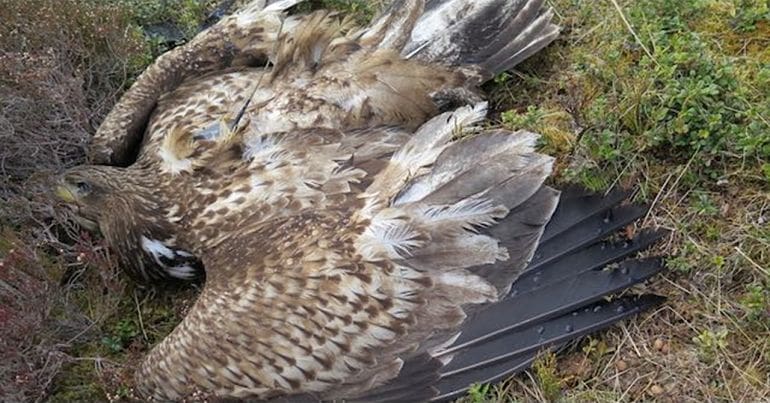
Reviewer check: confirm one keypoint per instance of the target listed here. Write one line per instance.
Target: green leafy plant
(756, 303)
(711, 343)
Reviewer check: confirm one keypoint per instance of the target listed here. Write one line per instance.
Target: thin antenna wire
(256, 85)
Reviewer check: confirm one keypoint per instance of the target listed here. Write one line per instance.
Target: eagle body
(363, 237)
(360, 261)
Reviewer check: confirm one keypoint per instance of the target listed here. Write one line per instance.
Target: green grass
(668, 98)
(674, 104)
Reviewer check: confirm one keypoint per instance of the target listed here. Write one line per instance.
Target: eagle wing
(400, 289)
(325, 74)
(319, 78)
(332, 301)
(242, 39)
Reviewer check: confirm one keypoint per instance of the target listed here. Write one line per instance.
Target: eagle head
(130, 211)
(90, 191)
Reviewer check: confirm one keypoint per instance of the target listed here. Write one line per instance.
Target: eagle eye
(83, 187)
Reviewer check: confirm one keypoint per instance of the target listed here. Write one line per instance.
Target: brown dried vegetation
(62, 65)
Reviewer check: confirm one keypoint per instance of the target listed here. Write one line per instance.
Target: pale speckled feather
(321, 79)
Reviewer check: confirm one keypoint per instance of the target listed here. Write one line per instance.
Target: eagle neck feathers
(143, 230)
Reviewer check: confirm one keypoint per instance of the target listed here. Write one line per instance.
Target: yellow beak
(64, 193)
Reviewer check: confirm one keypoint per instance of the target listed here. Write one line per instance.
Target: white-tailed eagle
(364, 237)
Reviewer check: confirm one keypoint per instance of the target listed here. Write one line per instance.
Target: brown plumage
(348, 238)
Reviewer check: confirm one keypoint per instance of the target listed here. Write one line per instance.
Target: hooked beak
(65, 193)
(86, 223)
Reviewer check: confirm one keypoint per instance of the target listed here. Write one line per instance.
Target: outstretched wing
(333, 301)
(242, 39)
(400, 291)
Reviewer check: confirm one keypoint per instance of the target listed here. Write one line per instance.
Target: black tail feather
(585, 233)
(575, 205)
(567, 273)
(530, 308)
(515, 351)
(593, 257)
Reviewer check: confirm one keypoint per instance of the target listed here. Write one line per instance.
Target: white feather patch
(184, 272)
(466, 214)
(156, 248)
(391, 238)
(173, 163)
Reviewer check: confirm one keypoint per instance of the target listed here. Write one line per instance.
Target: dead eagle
(353, 247)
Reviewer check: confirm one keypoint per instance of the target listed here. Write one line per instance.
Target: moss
(77, 382)
(687, 96)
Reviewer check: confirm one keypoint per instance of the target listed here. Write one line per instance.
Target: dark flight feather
(558, 298)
